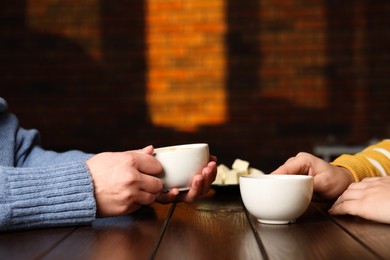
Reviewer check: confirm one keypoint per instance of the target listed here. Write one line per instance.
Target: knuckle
(131, 160)
(131, 179)
(302, 154)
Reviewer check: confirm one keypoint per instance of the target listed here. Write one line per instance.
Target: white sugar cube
(240, 165)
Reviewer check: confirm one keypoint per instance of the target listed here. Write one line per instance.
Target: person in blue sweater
(41, 188)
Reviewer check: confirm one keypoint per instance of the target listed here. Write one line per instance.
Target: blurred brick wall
(257, 79)
(186, 63)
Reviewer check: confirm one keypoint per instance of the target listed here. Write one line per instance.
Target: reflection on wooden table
(215, 227)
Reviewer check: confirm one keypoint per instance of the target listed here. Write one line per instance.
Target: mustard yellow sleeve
(372, 161)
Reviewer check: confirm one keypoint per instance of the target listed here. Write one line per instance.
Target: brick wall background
(256, 79)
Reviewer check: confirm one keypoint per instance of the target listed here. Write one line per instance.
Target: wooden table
(215, 227)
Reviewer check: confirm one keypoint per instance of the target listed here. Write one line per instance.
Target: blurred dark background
(292, 74)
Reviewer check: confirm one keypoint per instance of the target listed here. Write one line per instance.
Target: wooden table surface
(215, 227)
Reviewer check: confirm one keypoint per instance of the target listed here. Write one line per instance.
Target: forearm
(38, 157)
(26, 151)
(40, 188)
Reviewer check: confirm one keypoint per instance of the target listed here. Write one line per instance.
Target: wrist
(347, 177)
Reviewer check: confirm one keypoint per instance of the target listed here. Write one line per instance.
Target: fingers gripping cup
(276, 199)
(180, 163)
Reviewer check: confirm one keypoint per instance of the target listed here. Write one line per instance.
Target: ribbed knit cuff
(357, 164)
(50, 196)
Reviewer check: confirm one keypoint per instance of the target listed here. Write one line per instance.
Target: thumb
(147, 149)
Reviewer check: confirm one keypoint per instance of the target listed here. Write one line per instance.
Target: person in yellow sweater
(359, 183)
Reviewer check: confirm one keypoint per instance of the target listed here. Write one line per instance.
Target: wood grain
(312, 236)
(31, 244)
(133, 236)
(213, 228)
(375, 236)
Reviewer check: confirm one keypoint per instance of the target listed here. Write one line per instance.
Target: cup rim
(191, 145)
(269, 177)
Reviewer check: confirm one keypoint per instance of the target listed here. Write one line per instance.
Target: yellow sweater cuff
(358, 165)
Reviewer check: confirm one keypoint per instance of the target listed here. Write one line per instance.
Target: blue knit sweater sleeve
(40, 188)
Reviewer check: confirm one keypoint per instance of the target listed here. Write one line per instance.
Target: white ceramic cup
(276, 199)
(181, 162)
